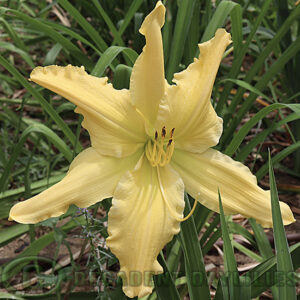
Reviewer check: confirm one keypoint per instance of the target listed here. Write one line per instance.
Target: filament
(171, 210)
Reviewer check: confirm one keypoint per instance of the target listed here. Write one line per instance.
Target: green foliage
(40, 134)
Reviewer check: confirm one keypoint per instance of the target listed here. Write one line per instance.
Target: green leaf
(35, 187)
(287, 291)
(135, 4)
(276, 159)
(259, 138)
(11, 269)
(264, 247)
(218, 19)
(122, 77)
(109, 55)
(10, 296)
(275, 68)
(87, 27)
(10, 233)
(246, 86)
(109, 23)
(164, 283)
(239, 58)
(230, 266)
(240, 135)
(23, 54)
(194, 264)
(37, 24)
(52, 54)
(38, 128)
(44, 103)
(182, 25)
(264, 275)
(236, 28)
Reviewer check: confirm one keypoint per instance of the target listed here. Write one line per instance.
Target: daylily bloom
(149, 144)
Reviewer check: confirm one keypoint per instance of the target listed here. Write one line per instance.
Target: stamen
(163, 132)
(170, 150)
(172, 132)
(157, 152)
(171, 210)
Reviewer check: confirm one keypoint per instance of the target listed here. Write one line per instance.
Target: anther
(170, 142)
(172, 132)
(156, 135)
(163, 132)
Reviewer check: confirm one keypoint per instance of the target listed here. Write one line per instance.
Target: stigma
(160, 150)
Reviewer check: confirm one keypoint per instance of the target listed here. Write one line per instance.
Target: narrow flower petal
(113, 123)
(187, 106)
(91, 178)
(147, 82)
(140, 224)
(203, 174)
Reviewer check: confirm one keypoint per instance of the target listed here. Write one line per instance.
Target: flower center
(160, 150)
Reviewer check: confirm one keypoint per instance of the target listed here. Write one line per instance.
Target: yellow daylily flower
(149, 143)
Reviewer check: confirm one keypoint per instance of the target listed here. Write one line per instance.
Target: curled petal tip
(221, 32)
(157, 15)
(287, 215)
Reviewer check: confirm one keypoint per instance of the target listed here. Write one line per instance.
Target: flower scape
(149, 144)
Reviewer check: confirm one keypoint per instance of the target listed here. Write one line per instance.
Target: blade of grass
(264, 275)
(38, 128)
(283, 257)
(212, 227)
(109, 23)
(135, 4)
(193, 34)
(109, 55)
(35, 23)
(18, 42)
(259, 138)
(182, 25)
(194, 264)
(35, 187)
(230, 265)
(247, 86)
(52, 55)
(44, 103)
(122, 77)
(275, 68)
(23, 54)
(87, 27)
(264, 247)
(35, 247)
(218, 19)
(164, 283)
(10, 296)
(276, 159)
(239, 58)
(11, 233)
(240, 135)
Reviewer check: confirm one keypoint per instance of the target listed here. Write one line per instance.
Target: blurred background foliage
(256, 93)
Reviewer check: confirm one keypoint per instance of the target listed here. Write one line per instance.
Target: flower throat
(159, 152)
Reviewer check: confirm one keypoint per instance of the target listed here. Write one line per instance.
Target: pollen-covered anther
(158, 151)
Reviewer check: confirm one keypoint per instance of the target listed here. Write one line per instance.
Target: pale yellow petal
(147, 82)
(91, 178)
(140, 224)
(187, 105)
(203, 174)
(113, 123)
